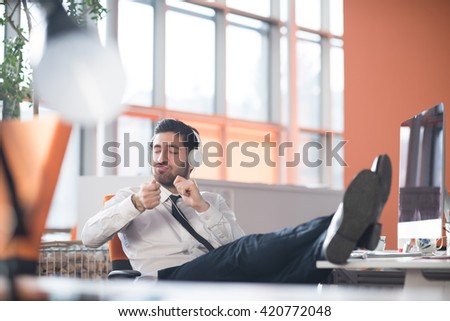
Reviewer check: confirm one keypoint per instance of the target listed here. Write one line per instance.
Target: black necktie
(179, 216)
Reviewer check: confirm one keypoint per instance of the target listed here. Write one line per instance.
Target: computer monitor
(422, 175)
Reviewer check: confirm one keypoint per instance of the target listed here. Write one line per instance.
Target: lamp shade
(80, 78)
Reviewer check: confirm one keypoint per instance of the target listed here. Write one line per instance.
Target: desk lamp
(75, 74)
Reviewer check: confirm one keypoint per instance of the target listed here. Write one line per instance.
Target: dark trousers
(285, 256)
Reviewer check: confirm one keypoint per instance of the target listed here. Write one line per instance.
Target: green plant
(15, 70)
(16, 85)
(79, 10)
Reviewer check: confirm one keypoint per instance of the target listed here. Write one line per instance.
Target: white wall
(259, 208)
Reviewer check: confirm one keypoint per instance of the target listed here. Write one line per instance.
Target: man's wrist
(137, 203)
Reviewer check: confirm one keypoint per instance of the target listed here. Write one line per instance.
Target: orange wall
(397, 63)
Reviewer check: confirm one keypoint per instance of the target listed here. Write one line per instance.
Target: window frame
(285, 131)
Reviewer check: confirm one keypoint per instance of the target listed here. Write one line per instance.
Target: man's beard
(166, 179)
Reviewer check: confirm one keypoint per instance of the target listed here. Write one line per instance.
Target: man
(160, 246)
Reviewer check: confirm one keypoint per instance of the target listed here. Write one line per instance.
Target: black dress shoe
(354, 215)
(383, 168)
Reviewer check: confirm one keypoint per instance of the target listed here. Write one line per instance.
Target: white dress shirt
(154, 239)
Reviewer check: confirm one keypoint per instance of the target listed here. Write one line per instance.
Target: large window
(262, 80)
(241, 71)
(320, 89)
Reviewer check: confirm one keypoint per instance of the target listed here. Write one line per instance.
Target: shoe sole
(358, 206)
(384, 172)
(383, 169)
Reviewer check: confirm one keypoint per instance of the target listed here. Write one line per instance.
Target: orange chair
(120, 264)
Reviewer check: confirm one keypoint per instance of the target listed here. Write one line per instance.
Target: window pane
(248, 160)
(211, 138)
(308, 13)
(337, 17)
(247, 81)
(284, 10)
(2, 35)
(337, 87)
(309, 84)
(133, 134)
(311, 152)
(284, 81)
(136, 20)
(190, 63)
(259, 7)
(337, 166)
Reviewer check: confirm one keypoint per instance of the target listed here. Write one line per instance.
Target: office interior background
(238, 70)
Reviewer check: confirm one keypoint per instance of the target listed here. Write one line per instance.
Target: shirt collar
(165, 193)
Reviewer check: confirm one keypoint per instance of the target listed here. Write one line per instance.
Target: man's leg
(355, 222)
(383, 168)
(351, 225)
(287, 255)
(290, 254)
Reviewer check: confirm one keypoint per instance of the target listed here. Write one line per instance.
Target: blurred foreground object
(76, 75)
(31, 154)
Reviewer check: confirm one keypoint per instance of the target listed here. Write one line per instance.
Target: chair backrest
(120, 264)
(119, 260)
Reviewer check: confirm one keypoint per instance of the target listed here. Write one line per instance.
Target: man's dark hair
(186, 132)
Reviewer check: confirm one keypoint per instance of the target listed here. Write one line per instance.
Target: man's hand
(148, 197)
(190, 194)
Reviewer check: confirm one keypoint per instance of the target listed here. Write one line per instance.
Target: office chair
(120, 264)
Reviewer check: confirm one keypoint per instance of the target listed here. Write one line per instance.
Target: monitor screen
(421, 173)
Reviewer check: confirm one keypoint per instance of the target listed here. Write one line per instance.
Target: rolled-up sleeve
(220, 220)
